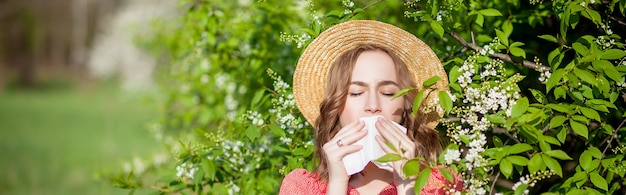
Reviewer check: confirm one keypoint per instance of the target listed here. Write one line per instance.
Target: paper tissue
(371, 151)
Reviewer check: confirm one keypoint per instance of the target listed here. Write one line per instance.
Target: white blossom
(452, 156)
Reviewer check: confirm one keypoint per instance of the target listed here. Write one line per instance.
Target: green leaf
(555, 57)
(554, 79)
(551, 140)
(507, 27)
(454, 74)
(520, 107)
(580, 48)
(559, 154)
(519, 148)
(585, 160)
(497, 119)
(536, 163)
(580, 178)
(389, 157)
(490, 12)
(418, 101)
(518, 160)
(431, 81)
(445, 101)
(497, 142)
(590, 113)
(253, 132)
(613, 54)
(446, 174)
(506, 168)
(585, 76)
(421, 180)
(538, 95)
(544, 146)
(559, 107)
(608, 69)
(209, 168)
(549, 38)
(257, 97)
(562, 134)
(403, 92)
(581, 119)
(560, 92)
(595, 152)
(437, 28)
(411, 167)
(579, 128)
(516, 51)
(598, 181)
(277, 130)
(504, 39)
(557, 121)
(553, 164)
(480, 19)
(601, 102)
(595, 16)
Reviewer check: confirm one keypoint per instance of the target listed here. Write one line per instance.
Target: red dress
(301, 181)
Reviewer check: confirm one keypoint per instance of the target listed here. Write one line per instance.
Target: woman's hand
(405, 147)
(337, 148)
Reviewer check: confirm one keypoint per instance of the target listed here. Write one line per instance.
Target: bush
(536, 101)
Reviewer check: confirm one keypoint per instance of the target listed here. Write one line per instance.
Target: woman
(353, 70)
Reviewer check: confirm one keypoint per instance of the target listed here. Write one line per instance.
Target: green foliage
(553, 125)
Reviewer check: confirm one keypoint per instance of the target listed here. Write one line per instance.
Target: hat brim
(309, 82)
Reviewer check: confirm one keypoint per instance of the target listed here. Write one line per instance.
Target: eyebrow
(381, 83)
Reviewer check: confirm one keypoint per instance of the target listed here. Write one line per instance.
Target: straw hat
(309, 80)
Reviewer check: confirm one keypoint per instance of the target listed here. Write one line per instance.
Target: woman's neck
(371, 179)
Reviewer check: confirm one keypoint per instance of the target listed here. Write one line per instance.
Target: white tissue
(371, 151)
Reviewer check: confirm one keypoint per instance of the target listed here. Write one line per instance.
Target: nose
(372, 104)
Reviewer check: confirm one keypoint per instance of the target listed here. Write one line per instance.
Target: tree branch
(617, 20)
(501, 56)
(608, 144)
(493, 184)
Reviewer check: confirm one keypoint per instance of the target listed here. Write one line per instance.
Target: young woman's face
(374, 83)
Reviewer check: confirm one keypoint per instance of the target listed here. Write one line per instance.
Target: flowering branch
(608, 144)
(501, 56)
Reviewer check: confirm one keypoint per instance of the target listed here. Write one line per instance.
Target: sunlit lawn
(54, 139)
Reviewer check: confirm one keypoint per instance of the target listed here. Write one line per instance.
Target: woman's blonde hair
(339, 76)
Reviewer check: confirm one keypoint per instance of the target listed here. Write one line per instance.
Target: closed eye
(390, 94)
(355, 94)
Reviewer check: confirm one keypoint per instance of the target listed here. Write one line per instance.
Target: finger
(351, 128)
(339, 153)
(389, 131)
(346, 140)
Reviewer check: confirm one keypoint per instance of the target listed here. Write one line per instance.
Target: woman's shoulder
(301, 181)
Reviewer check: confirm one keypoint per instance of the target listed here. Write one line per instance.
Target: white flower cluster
(348, 4)
(452, 155)
(543, 71)
(495, 93)
(298, 39)
(233, 188)
(225, 83)
(187, 170)
(605, 42)
(491, 47)
(239, 156)
(532, 179)
(255, 117)
(441, 14)
(283, 105)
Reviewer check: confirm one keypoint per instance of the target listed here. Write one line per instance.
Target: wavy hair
(339, 76)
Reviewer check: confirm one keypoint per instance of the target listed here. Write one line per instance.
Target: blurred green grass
(55, 139)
